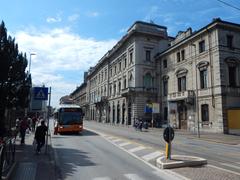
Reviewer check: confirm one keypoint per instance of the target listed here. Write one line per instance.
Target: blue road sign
(40, 93)
(148, 108)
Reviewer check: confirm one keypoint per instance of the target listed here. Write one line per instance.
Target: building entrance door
(182, 115)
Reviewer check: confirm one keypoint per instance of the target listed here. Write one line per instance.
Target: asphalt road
(90, 157)
(217, 154)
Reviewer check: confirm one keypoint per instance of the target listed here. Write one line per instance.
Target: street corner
(177, 161)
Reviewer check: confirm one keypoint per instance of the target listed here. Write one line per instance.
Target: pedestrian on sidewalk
(34, 122)
(40, 136)
(23, 127)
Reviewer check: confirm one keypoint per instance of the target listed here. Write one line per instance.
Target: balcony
(133, 90)
(183, 95)
(100, 99)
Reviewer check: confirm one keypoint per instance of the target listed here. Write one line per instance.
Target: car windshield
(69, 118)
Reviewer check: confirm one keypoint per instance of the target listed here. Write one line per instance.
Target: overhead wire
(230, 5)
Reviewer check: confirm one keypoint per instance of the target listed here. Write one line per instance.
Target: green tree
(15, 83)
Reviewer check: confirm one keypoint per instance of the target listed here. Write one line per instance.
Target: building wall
(132, 73)
(213, 59)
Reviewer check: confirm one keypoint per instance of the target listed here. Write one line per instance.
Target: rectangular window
(110, 89)
(232, 76)
(111, 72)
(183, 54)
(120, 66)
(230, 41)
(115, 69)
(125, 62)
(105, 74)
(164, 63)
(125, 83)
(114, 89)
(203, 79)
(205, 113)
(182, 84)
(178, 57)
(165, 88)
(148, 55)
(130, 58)
(201, 46)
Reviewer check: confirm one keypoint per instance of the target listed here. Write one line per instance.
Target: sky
(69, 36)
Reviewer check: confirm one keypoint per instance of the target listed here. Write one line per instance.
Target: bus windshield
(69, 118)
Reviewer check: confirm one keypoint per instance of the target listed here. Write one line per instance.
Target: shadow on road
(72, 158)
(89, 133)
(83, 133)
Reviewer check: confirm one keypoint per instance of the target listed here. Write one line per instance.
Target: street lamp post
(196, 102)
(30, 60)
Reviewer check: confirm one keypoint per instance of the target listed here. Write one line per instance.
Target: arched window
(148, 80)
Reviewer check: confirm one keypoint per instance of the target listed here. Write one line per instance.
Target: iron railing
(7, 155)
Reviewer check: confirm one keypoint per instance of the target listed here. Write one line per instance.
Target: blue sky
(69, 36)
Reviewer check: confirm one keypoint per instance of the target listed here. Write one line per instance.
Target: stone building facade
(194, 77)
(200, 77)
(124, 80)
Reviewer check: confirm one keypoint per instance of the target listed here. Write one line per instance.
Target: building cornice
(215, 23)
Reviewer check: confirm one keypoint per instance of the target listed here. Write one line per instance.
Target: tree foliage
(15, 83)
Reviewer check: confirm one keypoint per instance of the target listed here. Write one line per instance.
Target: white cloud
(53, 19)
(73, 17)
(93, 14)
(58, 51)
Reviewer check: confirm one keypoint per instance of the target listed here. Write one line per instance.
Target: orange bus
(68, 118)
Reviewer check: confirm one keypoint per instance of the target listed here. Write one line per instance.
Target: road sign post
(48, 115)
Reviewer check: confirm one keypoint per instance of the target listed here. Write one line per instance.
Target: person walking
(22, 128)
(40, 136)
(34, 122)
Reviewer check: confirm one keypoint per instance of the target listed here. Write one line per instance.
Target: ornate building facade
(195, 78)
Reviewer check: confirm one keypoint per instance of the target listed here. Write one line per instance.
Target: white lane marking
(133, 176)
(136, 149)
(164, 174)
(116, 140)
(102, 178)
(124, 144)
(111, 138)
(223, 169)
(230, 165)
(152, 155)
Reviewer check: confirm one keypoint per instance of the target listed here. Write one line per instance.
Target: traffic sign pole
(48, 115)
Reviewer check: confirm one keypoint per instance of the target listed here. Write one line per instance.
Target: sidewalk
(30, 166)
(205, 136)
